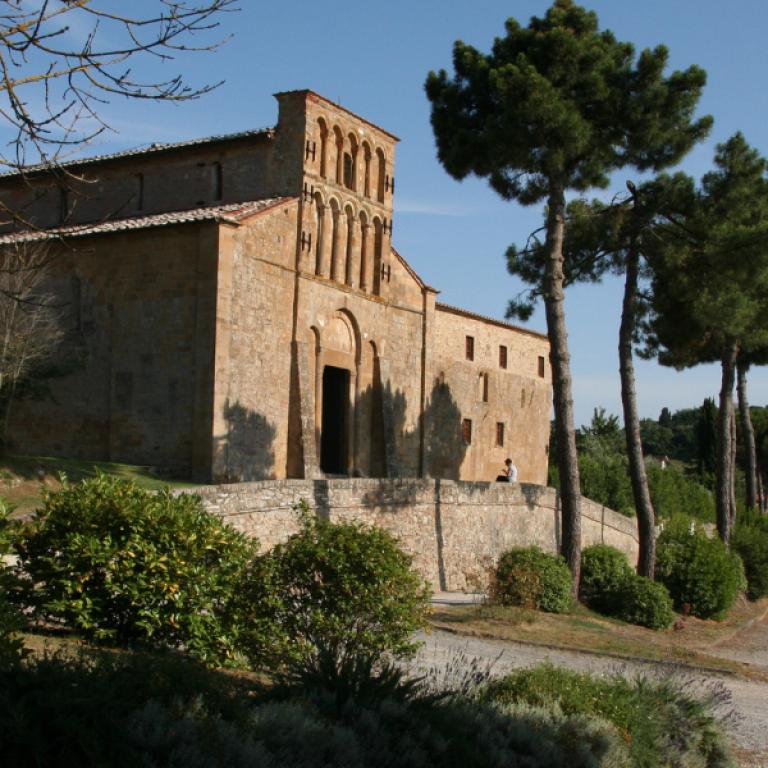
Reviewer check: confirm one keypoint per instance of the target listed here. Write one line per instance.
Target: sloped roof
(412, 272)
(485, 319)
(144, 150)
(232, 213)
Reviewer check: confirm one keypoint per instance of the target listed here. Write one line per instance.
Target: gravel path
(749, 699)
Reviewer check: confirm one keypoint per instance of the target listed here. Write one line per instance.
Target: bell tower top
(342, 154)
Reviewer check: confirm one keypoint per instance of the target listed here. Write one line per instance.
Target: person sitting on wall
(508, 474)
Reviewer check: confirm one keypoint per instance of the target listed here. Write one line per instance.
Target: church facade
(234, 310)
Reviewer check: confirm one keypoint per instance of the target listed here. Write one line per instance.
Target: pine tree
(555, 106)
(710, 279)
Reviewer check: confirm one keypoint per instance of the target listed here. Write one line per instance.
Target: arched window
(367, 169)
(381, 171)
(365, 269)
(348, 256)
(350, 164)
(378, 241)
(320, 212)
(323, 146)
(335, 215)
(339, 139)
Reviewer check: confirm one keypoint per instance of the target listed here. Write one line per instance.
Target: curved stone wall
(454, 530)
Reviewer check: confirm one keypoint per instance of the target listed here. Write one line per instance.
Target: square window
(466, 431)
(502, 356)
(541, 366)
(470, 347)
(500, 433)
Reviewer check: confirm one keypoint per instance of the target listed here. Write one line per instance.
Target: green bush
(664, 722)
(530, 578)
(11, 619)
(750, 542)
(117, 562)
(141, 710)
(332, 592)
(604, 571)
(645, 602)
(674, 493)
(702, 576)
(605, 480)
(610, 586)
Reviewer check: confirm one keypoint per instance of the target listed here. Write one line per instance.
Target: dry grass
(692, 642)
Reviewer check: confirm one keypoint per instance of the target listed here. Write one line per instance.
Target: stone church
(234, 310)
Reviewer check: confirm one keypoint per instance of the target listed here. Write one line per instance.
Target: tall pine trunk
(725, 479)
(645, 515)
(567, 459)
(748, 434)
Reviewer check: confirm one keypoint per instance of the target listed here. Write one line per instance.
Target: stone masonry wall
(454, 530)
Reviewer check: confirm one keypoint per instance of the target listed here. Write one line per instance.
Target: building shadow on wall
(439, 427)
(246, 452)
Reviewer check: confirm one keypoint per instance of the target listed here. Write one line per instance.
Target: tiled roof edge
(484, 318)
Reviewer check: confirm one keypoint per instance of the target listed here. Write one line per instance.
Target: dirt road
(749, 727)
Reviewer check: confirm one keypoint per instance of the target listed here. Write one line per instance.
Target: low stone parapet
(455, 531)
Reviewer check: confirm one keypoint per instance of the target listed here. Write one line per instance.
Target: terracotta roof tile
(230, 212)
(145, 150)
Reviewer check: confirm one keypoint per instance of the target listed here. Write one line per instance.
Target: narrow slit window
(502, 356)
(484, 387)
(469, 347)
(541, 366)
(218, 182)
(500, 434)
(139, 191)
(466, 431)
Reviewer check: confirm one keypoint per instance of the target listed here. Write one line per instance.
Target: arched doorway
(334, 427)
(336, 373)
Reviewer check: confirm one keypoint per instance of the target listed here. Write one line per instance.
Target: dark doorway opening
(333, 434)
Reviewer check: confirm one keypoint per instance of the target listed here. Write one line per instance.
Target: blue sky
(373, 59)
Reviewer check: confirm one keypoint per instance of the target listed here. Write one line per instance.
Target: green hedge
(530, 578)
(332, 592)
(117, 562)
(604, 571)
(610, 586)
(702, 576)
(750, 542)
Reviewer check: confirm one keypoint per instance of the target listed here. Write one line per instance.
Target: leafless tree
(30, 318)
(61, 61)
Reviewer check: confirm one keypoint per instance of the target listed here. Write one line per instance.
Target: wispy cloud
(430, 208)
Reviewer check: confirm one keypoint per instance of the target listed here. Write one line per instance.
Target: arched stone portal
(336, 377)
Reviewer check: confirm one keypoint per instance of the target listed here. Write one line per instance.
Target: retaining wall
(454, 530)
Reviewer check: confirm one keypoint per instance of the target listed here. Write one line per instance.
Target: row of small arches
(349, 246)
(350, 162)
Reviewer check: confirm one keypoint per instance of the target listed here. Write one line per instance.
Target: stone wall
(454, 530)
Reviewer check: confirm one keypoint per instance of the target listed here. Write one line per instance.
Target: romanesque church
(234, 310)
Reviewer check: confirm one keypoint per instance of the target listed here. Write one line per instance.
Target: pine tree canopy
(710, 286)
(560, 102)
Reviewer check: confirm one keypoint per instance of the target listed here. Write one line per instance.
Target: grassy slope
(23, 479)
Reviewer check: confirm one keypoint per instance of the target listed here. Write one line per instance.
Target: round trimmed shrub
(702, 576)
(604, 572)
(645, 602)
(117, 562)
(332, 600)
(530, 578)
(750, 542)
